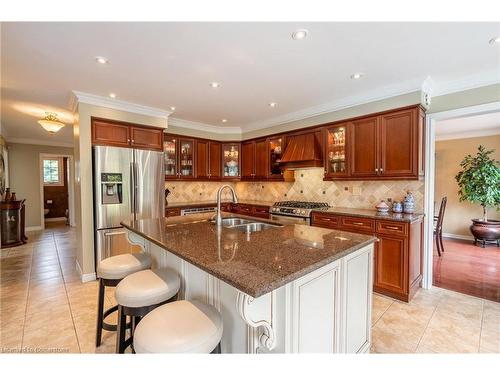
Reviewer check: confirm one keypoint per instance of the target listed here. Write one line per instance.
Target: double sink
(246, 225)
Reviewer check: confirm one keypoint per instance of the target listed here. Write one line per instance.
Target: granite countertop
(255, 263)
(214, 203)
(372, 214)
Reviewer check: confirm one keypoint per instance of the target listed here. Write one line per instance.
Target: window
(53, 172)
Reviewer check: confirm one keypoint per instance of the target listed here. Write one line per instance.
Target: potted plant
(479, 182)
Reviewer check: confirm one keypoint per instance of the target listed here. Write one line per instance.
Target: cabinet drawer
(245, 209)
(261, 211)
(169, 212)
(326, 221)
(357, 224)
(391, 227)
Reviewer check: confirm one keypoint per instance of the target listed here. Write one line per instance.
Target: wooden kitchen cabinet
(231, 161)
(251, 210)
(171, 212)
(179, 158)
(364, 148)
(121, 134)
(398, 252)
(275, 152)
(254, 160)
(336, 151)
(208, 160)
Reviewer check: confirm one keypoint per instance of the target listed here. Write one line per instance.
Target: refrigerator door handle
(136, 188)
(132, 188)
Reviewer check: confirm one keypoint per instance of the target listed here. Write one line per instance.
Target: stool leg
(100, 312)
(120, 332)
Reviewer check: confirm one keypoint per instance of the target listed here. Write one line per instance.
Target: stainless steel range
(295, 211)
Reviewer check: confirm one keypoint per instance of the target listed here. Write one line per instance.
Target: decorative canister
(397, 207)
(409, 203)
(382, 207)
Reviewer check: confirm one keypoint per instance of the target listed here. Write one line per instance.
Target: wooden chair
(438, 227)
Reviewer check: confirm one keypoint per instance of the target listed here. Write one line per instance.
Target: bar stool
(180, 327)
(110, 272)
(138, 294)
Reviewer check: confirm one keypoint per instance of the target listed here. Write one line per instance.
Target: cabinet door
(336, 151)
(364, 155)
(148, 138)
(214, 164)
(261, 159)
(390, 264)
(231, 163)
(170, 157)
(186, 158)
(275, 151)
(202, 159)
(247, 160)
(398, 144)
(110, 134)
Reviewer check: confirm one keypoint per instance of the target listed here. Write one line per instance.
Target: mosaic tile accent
(308, 186)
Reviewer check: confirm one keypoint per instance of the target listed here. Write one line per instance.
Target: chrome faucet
(218, 219)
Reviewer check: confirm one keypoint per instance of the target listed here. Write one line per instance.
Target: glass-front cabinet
(179, 158)
(275, 153)
(230, 160)
(337, 153)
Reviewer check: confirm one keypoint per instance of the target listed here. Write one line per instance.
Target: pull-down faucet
(218, 219)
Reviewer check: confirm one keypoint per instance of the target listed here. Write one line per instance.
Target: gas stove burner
(300, 204)
(297, 208)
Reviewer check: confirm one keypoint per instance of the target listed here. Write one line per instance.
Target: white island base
(325, 311)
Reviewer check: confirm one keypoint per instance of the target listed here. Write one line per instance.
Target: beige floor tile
(389, 342)
(379, 306)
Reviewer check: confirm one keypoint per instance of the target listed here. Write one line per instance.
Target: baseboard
(85, 277)
(50, 219)
(458, 236)
(32, 229)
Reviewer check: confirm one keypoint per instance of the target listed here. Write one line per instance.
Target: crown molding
(120, 105)
(40, 142)
(468, 134)
(173, 121)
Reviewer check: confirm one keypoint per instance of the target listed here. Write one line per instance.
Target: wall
(449, 154)
(466, 98)
(58, 195)
(308, 186)
(24, 174)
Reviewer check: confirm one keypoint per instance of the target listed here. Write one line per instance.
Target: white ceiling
(468, 127)
(171, 64)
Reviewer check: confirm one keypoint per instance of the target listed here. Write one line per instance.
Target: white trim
(468, 134)
(172, 121)
(41, 142)
(33, 229)
(54, 219)
(431, 120)
(458, 236)
(102, 101)
(87, 276)
(468, 83)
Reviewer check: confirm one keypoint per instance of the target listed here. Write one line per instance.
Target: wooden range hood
(302, 151)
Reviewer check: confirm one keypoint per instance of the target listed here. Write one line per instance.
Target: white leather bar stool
(110, 272)
(138, 294)
(180, 327)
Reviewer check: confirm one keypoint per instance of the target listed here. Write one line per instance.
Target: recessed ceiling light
(224, 120)
(357, 75)
(214, 85)
(299, 34)
(112, 95)
(495, 40)
(101, 60)
(172, 108)
(273, 104)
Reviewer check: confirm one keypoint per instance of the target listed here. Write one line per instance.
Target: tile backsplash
(308, 186)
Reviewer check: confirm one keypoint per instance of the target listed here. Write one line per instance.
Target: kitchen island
(284, 289)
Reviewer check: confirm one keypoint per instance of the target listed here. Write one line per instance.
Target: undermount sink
(233, 221)
(255, 227)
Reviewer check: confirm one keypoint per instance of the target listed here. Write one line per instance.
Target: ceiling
(172, 64)
(468, 127)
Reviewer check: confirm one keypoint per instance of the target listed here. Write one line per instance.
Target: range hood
(302, 151)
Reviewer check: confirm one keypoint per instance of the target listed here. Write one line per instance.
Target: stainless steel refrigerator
(128, 185)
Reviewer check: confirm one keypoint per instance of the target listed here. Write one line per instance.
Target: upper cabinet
(179, 157)
(336, 151)
(275, 151)
(208, 160)
(121, 134)
(254, 160)
(231, 162)
(364, 147)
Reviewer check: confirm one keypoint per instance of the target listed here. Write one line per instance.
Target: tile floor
(45, 308)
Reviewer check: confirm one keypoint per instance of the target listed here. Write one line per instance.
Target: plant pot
(485, 231)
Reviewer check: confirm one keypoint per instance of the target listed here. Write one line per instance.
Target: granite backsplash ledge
(308, 186)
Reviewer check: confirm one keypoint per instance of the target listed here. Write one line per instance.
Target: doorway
(56, 190)
(462, 266)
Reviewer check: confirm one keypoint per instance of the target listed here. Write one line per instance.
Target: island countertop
(255, 263)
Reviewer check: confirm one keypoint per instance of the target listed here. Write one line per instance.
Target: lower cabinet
(398, 253)
(237, 208)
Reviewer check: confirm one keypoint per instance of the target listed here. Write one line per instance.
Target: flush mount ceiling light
(214, 85)
(112, 95)
(101, 60)
(273, 104)
(51, 123)
(224, 120)
(357, 75)
(495, 40)
(299, 34)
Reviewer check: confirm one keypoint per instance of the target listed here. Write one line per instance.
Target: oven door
(284, 219)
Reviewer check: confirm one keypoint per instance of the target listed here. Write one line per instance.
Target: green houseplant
(479, 182)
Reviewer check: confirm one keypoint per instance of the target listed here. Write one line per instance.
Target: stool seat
(119, 266)
(179, 327)
(147, 287)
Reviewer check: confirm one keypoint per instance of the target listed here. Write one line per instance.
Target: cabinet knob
(381, 170)
(128, 140)
(132, 141)
(376, 169)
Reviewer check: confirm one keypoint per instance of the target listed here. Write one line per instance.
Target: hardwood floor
(468, 269)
